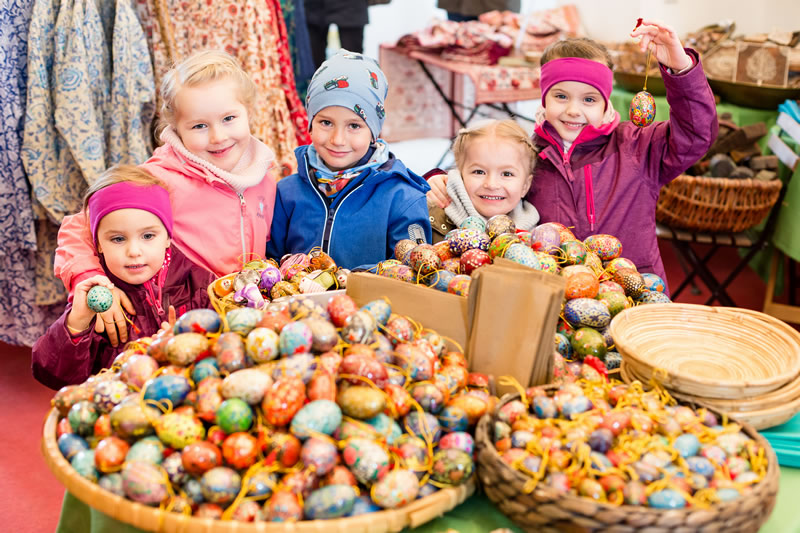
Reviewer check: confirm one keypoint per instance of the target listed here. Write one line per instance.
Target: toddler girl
(218, 174)
(494, 168)
(130, 220)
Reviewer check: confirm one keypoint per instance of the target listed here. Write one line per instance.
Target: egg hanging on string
(643, 109)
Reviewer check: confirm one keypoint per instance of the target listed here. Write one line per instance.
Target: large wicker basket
(545, 510)
(716, 204)
(153, 519)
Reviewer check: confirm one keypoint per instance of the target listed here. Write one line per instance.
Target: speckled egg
(221, 485)
(452, 466)
(459, 285)
(320, 416)
(319, 454)
(184, 349)
(99, 299)
(331, 501)
(547, 263)
(615, 301)
(283, 399)
(243, 319)
(167, 388)
(631, 281)
(234, 415)
(587, 312)
(619, 263)
(474, 259)
(643, 110)
(473, 222)
(361, 402)
(229, 351)
(653, 282)
(397, 488)
(653, 297)
(144, 482)
(199, 457)
(240, 450)
(176, 430)
(262, 345)
(402, 248)
(581, 285)
(424, 260)
(607, 247)
(366, 459)
(108, 394)
(519, 253)
(500, 224)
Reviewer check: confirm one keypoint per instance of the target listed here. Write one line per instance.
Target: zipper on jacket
(241, 225)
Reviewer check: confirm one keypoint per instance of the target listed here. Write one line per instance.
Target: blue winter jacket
(361, 225)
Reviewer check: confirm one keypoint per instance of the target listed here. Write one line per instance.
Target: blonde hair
(577, 47)
(502, 129)
(198, 69)
(121, 174)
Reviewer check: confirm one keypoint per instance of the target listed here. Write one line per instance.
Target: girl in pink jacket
(222, 192)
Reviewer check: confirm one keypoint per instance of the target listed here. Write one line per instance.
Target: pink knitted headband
(579, 69)
(126, 195)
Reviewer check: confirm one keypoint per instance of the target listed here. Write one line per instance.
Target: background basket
(546, 510)
(716, 204)
(153, 519)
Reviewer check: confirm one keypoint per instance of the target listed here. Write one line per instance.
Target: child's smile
(571, 105)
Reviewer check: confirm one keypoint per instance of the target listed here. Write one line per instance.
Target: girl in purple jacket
(596, 174)
(130, 218)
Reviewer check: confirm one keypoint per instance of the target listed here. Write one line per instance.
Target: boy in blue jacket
(350, 196)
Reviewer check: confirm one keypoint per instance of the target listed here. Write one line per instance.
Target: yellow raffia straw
(510, 381)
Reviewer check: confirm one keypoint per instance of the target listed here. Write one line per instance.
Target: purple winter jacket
(614, 173)
(60, 358)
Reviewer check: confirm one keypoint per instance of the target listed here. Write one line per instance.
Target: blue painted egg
(70, 444)
(198, 321)
(545, 407)
(302, 365)
(99, 299)
(243, 319)
(587, 312)
(262, 483)
(295, 338)
(701, 465)
(728, 494)
(332, 501)
(467, 239)
(319, 416)
(440, 280)
(112, 483)
(613, 360)
(423, 425)
(221, 485)
(563, 346)
(652, 282)
(363, 505)
(666, 499)
(687, 445)
(320, 454)
(83, 463)
(205, 368)
(148, 449)
(473, 222)
(386, 426)
(519, 253)
(653, 297)
(167, 387)
(380, 309)
(453, 418)
(194, 490)
(575, 406)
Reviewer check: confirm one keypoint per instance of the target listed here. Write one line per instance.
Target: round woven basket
(153, 519)
(711, 352)
(716, 204)
(546, 510)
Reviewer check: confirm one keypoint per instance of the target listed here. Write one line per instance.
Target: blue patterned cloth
(21, 322)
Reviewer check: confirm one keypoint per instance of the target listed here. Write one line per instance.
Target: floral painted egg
(473, 259)
(519, 253)
(500, 243)
(381, 310)
(460, 440)
(82, 417)
(240, 450)
(424, 260)
(643, 109)
(546, 239)
(198, 321)
(616, 264)
(262, 345)
(68, 396)
(319, 454)
(453, 418)
(467, 239)
(402, 248)
(452, 466)
(607, 247)
(110, 454)
(184, 349)
(167, 388)
(71, 443)
(581, 285)
(283, 399)
(399, 329)
(499, 224)
(320, 416)
(631, 281)
(331, 501)
(354, 367)
(652, 282)
(144, 482)
(397, 488)
(137, 369)
(459, 285)
(414, 362)
(229, 351)
(176, 430)
(442, 249)
(359, 327)
(574, 252)
(243, 319)
(563, 346)
(400, 272)
(248, 384)
(653, 297)
(366, 459)
(547, 263)
(615, 301)
(108, 394)
(587, 312)
(322, 385)
(398, 399)
(208, 398)
(221, 485)
(295, 338)
(610, 286)
(129, 420)
(234, 415)
(173, 466)
(340, 307)
(440, 279)
(148, 449)
(525, 237)
(588, 341)
(302, 365)
(452, 265)
(361, 402)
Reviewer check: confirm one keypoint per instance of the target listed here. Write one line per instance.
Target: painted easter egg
(473, 222)
(208, 398)
(366, 459)
(69, 395)
(467, 239)
(340, 307)
(108, 394)
(429, 396)
(167, 388)
(138, 369)
(283, 399)
(144, 482)
(82, 417)
(643, 109)
(581, 285)
(424, 260)
(229, 351)
(397, 488)
(283, 289)
(129, 420)
(99, 299)
(474, 259)
(547, 263)
(615, 301)
(619, 263)
(83, 463)
(331, 501)
(653, 282)
(112, 483)
(359, 327)
(564, 232)
(563, 345)
(440, 280)
(184, 349)
(459, 285)
(381, 310)
(546, 239)
(499, 224)
(320, 454)
(320, 416)
(631, 281)
(587, 312)
(205, 368)
(519, 253)
(177, 430)
(283, 506)
(220, 485)
(302, 365)
(653, 297)
(295, 338)
(269, 277)
(500, 243)
(574, 252)
(234, 415)
(110, 454)
(361, 402)
(610, 286)
(398, 399)
(386, 427)
(452, 466)
(354, 367)
(173, 466)
(403, 247)
(248, 384)
(198, 321)
(243, 319)
(460, 440)
(607, 247)
(71, 443)
(240, 450)
(261, 345)
(423, 425)
(525, 237)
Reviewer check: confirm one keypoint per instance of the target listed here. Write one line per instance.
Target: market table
(476, 515)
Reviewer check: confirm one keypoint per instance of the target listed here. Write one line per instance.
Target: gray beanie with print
(353, 81)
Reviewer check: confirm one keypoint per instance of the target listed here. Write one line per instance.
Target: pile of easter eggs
(294, 412)
(261, 281)
(616, 443)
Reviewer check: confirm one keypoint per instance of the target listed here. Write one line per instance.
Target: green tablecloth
(787, 232)
(476, 515)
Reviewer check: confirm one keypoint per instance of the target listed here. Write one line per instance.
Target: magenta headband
(594, 73)
(125, 195)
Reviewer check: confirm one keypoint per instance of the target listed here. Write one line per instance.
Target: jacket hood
(392, 167)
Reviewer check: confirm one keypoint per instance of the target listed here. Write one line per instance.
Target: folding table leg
(735, 272)
(439, 90)
(705, 274)
(690, 275)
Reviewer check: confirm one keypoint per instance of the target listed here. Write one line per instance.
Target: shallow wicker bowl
(752, 95)
(712, 352)
(545, 510)
(152, 519)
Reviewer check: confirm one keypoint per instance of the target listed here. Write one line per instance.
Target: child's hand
(667, 47)
(438, 193)
(80, 316)
(113, 320)
(170, 322)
